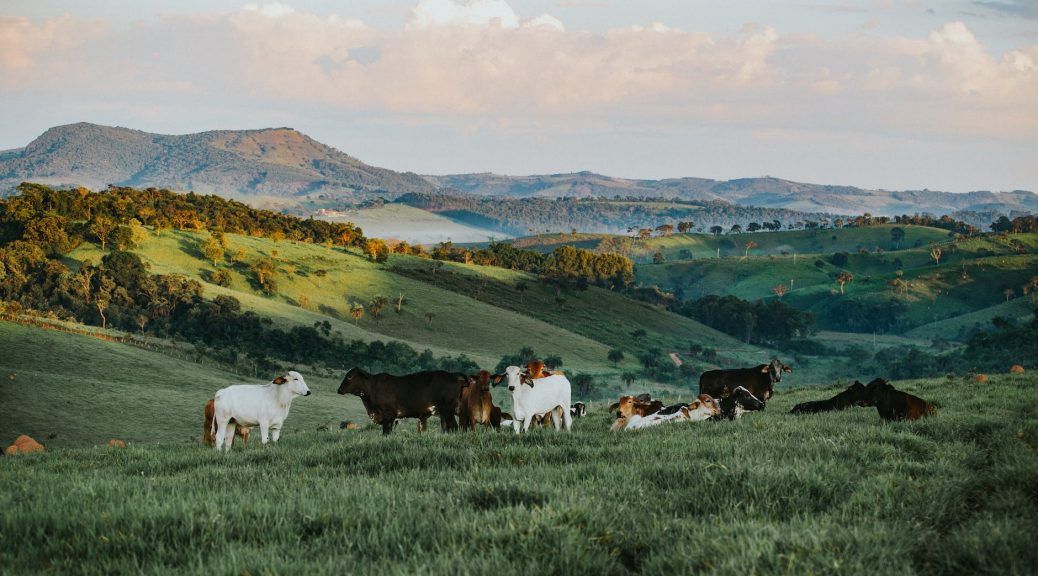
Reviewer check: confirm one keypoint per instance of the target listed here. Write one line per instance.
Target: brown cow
(893, 404)
(477, 407)
(209, 431)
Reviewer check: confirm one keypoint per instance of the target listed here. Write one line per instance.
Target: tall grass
(771, 493)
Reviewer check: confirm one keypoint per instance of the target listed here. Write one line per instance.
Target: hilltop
(272, 162)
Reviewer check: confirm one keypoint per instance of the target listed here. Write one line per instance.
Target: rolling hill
(765, 192)
(274, 161)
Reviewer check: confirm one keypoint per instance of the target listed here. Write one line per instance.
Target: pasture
(771, 493)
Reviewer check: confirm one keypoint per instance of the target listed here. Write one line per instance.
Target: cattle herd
(539, 397)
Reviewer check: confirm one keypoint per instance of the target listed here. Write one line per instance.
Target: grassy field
(771, 493)
(476, 310)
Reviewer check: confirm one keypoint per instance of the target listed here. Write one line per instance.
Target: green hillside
(69, 390)
(477, 310)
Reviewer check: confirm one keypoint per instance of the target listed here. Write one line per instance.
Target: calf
(263, 405)
(531, 397)
(739, 401)
(578, 410)
(893, 404)
(854, 395)
(759, 380)
(420, 395)
(209, 431)
(476, 405)
(630, 405)
(700, 409)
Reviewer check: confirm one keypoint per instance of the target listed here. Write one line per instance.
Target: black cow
(759, 380)
(854, 395)
(420, 395)
(739, 401)
(578, 410)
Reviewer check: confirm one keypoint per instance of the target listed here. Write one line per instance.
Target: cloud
(1012, 8)
(479, 63)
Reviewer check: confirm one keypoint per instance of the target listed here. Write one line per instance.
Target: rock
(24, 445)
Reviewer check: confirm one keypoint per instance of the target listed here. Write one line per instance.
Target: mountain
(766, 192)
(272, 162)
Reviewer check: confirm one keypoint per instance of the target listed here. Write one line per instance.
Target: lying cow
(531, 397)
(630, 405)
(263, 405)
(739, 401)
(759, 380)
(893, 404)
(209, 431)
(700, 409)
(854, 395)
(388, 398)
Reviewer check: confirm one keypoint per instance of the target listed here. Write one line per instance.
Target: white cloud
(434, 13)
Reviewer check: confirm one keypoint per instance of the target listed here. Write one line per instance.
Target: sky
(892, 94)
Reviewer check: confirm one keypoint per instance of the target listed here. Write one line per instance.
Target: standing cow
(420, 395)
(263, 405)
(532, 397)
(759, 380)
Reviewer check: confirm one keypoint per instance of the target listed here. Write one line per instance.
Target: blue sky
(885, 93)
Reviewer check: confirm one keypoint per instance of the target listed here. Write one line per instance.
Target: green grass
(772, 493)
(485, 328)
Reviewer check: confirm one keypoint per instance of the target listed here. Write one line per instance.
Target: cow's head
(703, 408)
(293, 382)
(482, 381)
(579, 410)
(352, 382)
(516, 378)
(625, 407)
(857, 394)
(775, 369)
(747, 400)
(876, 389)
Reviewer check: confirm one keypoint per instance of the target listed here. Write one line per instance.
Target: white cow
(532, 397)
(703, 408)
(263, 405)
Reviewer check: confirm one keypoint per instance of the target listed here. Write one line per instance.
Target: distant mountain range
(283, 162)
(764, 192)
(272, 162)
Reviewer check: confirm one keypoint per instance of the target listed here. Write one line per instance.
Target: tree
(212, 250)
(735, 229)
(102, 228)
(897, 234)
(103, 296)
(1008, 293)
(780, 289)
(749, 246)
(400, 301)
(843, 278)
(375, 306)
(638, 334)
(357, 312)
(665, 229)
(658, 258)
(553, 362)
(935, 254)
(628, 378)
(716, 230)
(615, 356)
(582, 383)
(753, 227)
(429, 317)
(265, 270)
(521, 286)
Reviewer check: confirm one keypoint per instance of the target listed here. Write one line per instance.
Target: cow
(209, 433)
(476, 405)
(263, 405)
(759, 380)
(893, 404)
(578, 410)
(630, 405)
(739, 401)
(420, 395)
(702, 408)
(531, 397)
(854, 395)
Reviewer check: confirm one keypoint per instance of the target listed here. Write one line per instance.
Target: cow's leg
(275, 432)
(221, 432)
(264, 432)
(448, 422)
(423, 424)
(567, 418)
(387, 425)
(526, 422)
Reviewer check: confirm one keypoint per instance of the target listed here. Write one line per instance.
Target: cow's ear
(765, 369)
(280, 380)
(496, 379)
